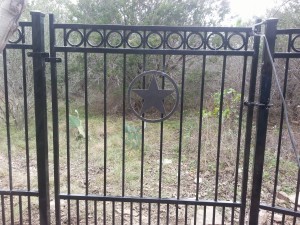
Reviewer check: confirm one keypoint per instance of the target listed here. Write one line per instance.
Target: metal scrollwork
(138, 37)
(153, 96)
(296, 43)
(95, 38)
(17, 37)
(236, 41)
(75, 38)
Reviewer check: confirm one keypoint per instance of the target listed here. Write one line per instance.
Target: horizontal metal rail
(18, 46)
(280, 210)
(174, 201)
(287, 55)
(154, 28)
(19, 193)
(155, 51)
(288, 31)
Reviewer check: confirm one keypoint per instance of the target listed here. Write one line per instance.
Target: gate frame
(262, 120)
(40, 57)
(40, 101)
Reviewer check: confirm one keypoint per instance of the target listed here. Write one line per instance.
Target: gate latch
(53, 59)
(44, 55)
(38, 54)
(267, 106)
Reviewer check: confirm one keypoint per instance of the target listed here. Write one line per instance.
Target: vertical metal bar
(220, 128)
(149, 214)
(77, 212)
(161, 140)
(40, 99)
(21, 210)
(281, 128)
(67, 134)
(95, 213)
(223, 215)
(3, 210)
(262, 120)
(204, 215)
(239, 137)
(168, 213)
(55, 121)
(241, 114)
(113, 213)
(86, 106)
(219, 134)
(131, 213)
(142, 170)
(185, 215)
(248, 134)
(200, 128)
(232, 216)
(180, 134)
(297, 197)
(240, 122)
(105, 130)
(67, 126)
(283, 219)
(143, 146)
(124, 135)
(200, 135)
(160, 166)
(26, 127)
(8, 134)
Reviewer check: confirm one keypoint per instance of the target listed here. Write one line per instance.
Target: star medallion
(153, 97)
(158, 104)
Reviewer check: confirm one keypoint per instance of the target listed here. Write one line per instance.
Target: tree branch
(10, 12)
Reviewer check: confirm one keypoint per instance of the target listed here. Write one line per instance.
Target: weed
(231, 98)
(75, 122)
(133, 135)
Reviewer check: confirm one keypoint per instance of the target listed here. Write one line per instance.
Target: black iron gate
(119, 157)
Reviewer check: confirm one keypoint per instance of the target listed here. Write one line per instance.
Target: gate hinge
(53, 59)
(38, 54)
(267, 106)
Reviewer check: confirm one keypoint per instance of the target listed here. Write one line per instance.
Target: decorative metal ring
(218, 47)
(179, 35)
(114, 45)
(78, 32)
(20, 36)
(153, 33)
(190, 37)
(153, 73)
(89, 41)
(293, 43)
(239, 35)
(128, 38)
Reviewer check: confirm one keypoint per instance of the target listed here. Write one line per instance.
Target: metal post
(53, 61)
(262, 120)
(248, 135)
(40, 114)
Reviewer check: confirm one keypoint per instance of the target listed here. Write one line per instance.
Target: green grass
(150, 154)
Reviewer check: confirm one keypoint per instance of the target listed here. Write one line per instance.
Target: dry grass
(133, 165)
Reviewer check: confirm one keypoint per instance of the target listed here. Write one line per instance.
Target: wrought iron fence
(148, 164)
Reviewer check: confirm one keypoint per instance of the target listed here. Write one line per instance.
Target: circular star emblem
(153, 96)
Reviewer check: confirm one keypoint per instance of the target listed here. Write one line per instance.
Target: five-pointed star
(153, 97)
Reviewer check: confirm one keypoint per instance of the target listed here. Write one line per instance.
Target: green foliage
(75, 122)
(287, 12)
(231, 98)
(153, 12)
(59, 8)
(133, 136)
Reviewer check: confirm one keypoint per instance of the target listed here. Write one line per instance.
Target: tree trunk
(10, 12)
